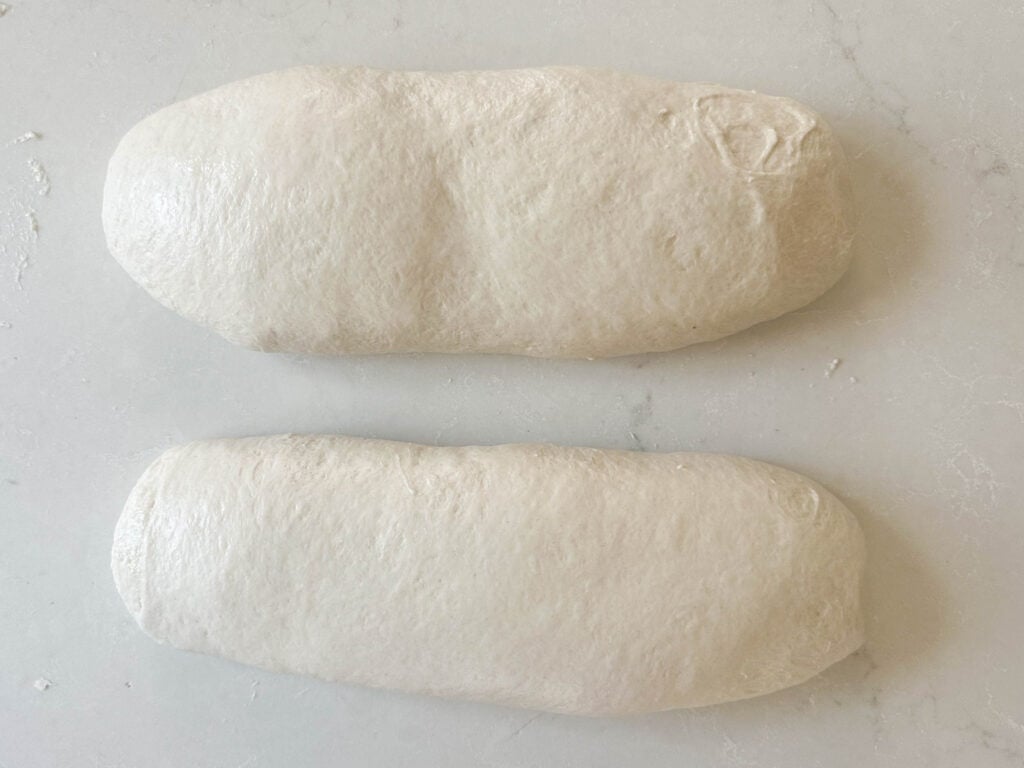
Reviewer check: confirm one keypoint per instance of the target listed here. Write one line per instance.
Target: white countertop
(920, 428)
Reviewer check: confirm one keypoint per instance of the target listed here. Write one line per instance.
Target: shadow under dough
(906, 608)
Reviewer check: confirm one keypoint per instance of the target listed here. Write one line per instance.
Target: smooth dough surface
(549, 212)
(563, 579)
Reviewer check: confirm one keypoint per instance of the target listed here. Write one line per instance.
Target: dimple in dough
(553, 212)
(572, 580)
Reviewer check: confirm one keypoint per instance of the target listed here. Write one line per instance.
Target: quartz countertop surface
(902, 389)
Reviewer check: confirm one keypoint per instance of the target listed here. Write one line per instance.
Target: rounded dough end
(128, 552)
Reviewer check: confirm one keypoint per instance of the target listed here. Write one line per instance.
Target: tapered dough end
(126, 557)
(128, 552)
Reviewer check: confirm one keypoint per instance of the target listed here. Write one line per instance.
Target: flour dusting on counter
(40, 175)
(23, 263)
(27, 136)
(19, 221)
(19, 236)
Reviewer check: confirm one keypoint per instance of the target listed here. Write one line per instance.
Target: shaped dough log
(550, 212)
(563, 579)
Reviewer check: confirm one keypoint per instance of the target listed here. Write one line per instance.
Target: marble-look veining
(919, 428)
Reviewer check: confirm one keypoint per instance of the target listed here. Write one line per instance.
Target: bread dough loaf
(564, 579)
(550, 212)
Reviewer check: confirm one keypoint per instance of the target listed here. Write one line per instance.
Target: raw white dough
(550, 212)
(563, 579)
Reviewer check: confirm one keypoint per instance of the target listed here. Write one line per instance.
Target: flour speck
(40, 175)
(27, 136)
